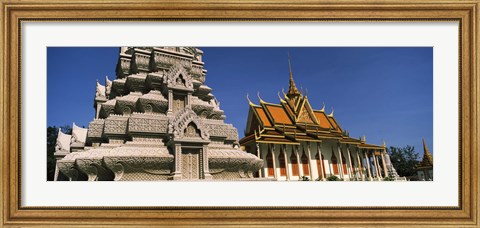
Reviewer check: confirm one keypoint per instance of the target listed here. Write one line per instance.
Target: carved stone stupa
(156, 121)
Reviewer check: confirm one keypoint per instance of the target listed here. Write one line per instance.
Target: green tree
(403, 159)
(52, 133)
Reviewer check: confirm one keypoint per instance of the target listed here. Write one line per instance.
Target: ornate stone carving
(192, 131)
(177, 125)
(178, 76)
(140, 62)
(95, 128)
(164, 60)
(115, 125)
(129, 140)
(150, 124)
(123, 65)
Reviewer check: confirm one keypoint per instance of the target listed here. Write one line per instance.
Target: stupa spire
(292, 88)
(427, 156)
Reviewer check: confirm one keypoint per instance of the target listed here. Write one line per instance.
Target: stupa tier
(157, 120)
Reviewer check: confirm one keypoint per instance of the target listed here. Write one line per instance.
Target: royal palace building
(296, 141)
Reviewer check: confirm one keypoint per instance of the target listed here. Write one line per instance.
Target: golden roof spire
(292, 88)
(427, 157)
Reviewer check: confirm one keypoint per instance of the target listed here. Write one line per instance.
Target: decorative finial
(281, 100)
(384, 144)
(249, 101)
(284, 95)
(292, 89)
(331, 114)
(259, 98)
(364, 139)
(425, 148)
(323, 108)
(290, 67)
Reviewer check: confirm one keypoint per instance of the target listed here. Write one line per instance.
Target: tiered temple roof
(293, 121)
(427, 161)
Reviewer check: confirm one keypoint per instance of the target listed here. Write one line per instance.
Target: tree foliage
(52, 133)
(403, 159)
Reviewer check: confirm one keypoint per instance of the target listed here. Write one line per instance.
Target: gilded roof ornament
(284, 95)
(331, 114)
(249, 101)
(259, 98)
(281, 100)
(323, 108)
(292, 88)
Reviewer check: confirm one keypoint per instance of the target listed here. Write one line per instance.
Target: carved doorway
(190, 164)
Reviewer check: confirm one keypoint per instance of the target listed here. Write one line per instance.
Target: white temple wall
(327, 147)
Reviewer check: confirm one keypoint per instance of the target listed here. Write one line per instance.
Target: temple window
(320, 167)
(293, 159)
(305, 164)
(270, 164)
(334, 163)
(283, 169)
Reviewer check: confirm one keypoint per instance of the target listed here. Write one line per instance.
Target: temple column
(206, 170)
(350, 162)
(263, 157)
(309, 156)
(284, 148)
(367, 161)
(384, 164)
(258, 156)
(359, 162)
(377, 170)
(274, 158)
(299, 161)
(341, 160)
(189, 100)
(170, 102)
(177, 175)
(320, 157)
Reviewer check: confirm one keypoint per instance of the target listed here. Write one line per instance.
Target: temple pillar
(284, 148)
(385, 171)
(206, 170)
(350, 162)
(341, 160)
(274, 158)
(258, 155)
(170, 102)
(377, 170)
(359, 162)
(299, 161)
(367, 161)
(177, 175)
(309, 156)
(189, 100)
(319, 151)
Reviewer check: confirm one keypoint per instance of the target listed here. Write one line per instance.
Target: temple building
(425, 167)
(296, 142)
(157, 120)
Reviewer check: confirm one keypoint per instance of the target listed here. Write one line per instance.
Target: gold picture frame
(466, 214)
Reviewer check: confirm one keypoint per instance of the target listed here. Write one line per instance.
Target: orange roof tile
(263, 116)
(322, 118)
(279, 115)
(334, 124)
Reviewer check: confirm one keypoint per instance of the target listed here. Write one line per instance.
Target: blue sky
(385, 93)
